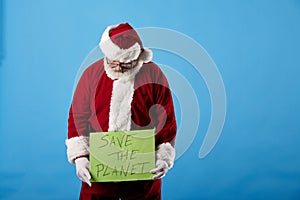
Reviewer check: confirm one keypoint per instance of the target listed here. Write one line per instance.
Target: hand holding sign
(122, 156)
(161, 169)
(82, 165)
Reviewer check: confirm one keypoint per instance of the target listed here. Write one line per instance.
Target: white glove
(82, 170)
(160, 170)
(165, 156)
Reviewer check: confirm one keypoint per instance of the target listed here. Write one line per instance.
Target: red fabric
(90, 112)
(131, 190)
(124, 36)
(91, 102)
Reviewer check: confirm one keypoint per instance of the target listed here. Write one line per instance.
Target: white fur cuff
(77, 146)
(166, 152)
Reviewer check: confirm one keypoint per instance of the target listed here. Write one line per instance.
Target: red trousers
(127, 190)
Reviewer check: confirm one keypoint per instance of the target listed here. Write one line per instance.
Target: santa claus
(121, 92)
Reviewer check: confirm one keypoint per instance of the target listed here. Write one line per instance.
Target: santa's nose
(118, 68)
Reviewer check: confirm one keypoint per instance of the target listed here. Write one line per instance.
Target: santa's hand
(82, 170)
(165, 156)
(160, 170)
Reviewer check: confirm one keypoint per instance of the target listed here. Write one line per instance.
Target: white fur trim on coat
(114, 52)
(77, 146)
(120, 106)
(166, 152)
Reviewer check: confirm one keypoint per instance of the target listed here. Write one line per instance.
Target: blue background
(255, 45)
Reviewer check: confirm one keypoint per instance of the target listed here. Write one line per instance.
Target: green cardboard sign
(122, 156)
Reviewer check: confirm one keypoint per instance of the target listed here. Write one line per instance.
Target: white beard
(125, 76)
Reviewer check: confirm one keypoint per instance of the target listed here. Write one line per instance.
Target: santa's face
(120, 70)
(120, 67)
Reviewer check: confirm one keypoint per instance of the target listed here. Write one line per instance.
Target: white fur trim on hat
(166, 152)
(114, 52)
(77, 146)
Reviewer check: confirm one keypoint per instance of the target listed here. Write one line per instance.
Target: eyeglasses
(124, 66)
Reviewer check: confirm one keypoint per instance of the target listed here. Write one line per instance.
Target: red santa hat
(122, 43)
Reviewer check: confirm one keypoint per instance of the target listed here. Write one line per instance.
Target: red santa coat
(107, 101)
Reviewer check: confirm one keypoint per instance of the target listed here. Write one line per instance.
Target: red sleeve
(165, 122)
(80, 109)
(82, 102)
